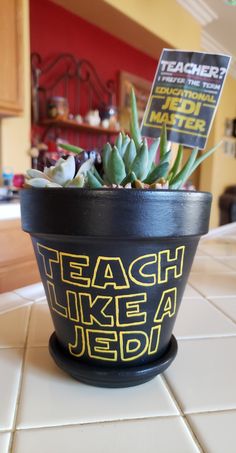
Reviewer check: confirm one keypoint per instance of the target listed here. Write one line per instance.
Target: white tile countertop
(190, 408)
(10, 210)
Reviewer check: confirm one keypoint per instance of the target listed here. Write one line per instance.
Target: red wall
(55, 30)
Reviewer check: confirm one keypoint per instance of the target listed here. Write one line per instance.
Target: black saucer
(102, 376)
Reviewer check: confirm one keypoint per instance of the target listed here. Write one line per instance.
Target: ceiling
(218, 20)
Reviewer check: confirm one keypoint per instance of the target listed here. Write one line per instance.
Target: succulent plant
(129, 163)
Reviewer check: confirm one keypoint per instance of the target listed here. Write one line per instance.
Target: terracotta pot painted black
(114, 264)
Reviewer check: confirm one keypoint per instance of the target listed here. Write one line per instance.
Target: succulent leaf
(41, 183)
(166, 158)
(140, 163)
(85, 167)
(79, 181)
(160, 171)
(95, 172)
(124, 146)
(152, 153)
(116, 167)
(177, 163)
(93, 181)
(33, 173)
(63, 171)
(118, 142)
(163, 141)
(183, 175)
(105, 157)
(134, 126)
(204, 156)
(71, 148)
(131, 177)
(129, 155)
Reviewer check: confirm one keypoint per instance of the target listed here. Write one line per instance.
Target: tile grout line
(220, 310)
(207, 298)
(182, 414)
(29, 299)
(213, 411)
(204, 337)
(17, 307)
(13, 430)
(101, 422)
(120, 420)
(218, 260)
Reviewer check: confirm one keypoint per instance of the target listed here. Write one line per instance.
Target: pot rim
(111, 189)
(130, 213)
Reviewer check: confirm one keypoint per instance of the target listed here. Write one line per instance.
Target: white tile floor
(216, 431)
(4, 442)
(191, 408)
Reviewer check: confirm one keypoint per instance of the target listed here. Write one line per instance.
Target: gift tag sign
(185, 94)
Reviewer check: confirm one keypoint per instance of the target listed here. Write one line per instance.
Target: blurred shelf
(83, 127)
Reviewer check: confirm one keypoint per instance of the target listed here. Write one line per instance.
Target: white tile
(215, 431)
(198, 318)
(219, 249)
(13, 328)
(190, 292)
(200, 252)
(229, 261)
(51, 397)
(4, 442)
(231, 238)
(166, 435)
(214, 285)
(11, 301)
(41, 326)
(10, 372)
(202, 376)
(32, 292)
(208, 265)
(227, 305)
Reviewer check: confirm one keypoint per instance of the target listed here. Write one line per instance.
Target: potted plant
(114, 250)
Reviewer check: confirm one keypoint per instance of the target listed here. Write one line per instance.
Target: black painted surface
(114, 287)
(102, 376)
(130, 213)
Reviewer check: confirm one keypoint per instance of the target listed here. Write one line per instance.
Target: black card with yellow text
(185, 94)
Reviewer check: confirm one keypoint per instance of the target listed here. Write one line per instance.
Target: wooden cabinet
(11, 51)
(18, 265)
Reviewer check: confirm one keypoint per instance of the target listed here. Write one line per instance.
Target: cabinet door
(11, 63)
(18, 265)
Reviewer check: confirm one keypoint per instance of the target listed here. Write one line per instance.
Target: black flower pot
(114, 264)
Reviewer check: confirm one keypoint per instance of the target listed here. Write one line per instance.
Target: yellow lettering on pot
(78, 348)
(128, 309)
(110, 271)
(167, 305)
(49, 256)
(154, 340)
(138, 339)
(99, 343)
(93, 311)
(72, 269)
(55, 305)
(168, 263)
(137, 267)
(72, 304)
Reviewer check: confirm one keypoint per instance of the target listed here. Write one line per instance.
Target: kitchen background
(121, 41)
